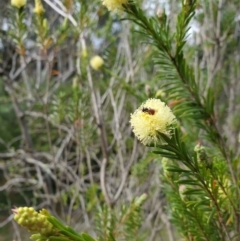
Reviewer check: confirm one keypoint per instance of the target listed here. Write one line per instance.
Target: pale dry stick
(231, 107)
(237, 110)
(214, 63)
(117, 113)
(13, 69)
(38, 74)
(117, 132)
(64, 143)
(46, 169)
(159, 214)
(217, 54)
(61, 12)
(120, 72)
(41, 205)
(103, 181)
(6, 221)
(155, 232)
(16, 181)
(125, 174)
(45, 155)
(60, 5)
(232, 90)
(102, 135)
(39, 176)
(75, 177)
(15, 73)
(81, 42)
(72, 202)
(208, 23)
(49, 64)
(57, 194)
(45, 117)
(7, 155)
(25, 78)
(168, 226)
(85, 213)
(89, 166)
(219, 19)
(20, 116)
(16, 233)
(128, 52)
(157, 226)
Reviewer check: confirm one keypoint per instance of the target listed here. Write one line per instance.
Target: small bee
(148, 110)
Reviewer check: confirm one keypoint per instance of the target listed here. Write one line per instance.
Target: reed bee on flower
(148, 110)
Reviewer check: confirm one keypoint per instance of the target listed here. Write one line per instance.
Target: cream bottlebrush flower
(18, 3)
(114, 5)
(150, 118)
(96, 62)
(38, 7)
(35, 222)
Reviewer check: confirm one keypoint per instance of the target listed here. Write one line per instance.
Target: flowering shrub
(72, 148)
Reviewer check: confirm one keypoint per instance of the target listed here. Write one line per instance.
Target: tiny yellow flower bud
(96, 62)
(84, 53)
(140, 200)
(45, 23)
(38, 7)
(18, 3)
(160, 12)
(75, 82)
(148, 90)
(182, 189)
(114, 5)
(165, 165)
(201, 152)
(160, 94)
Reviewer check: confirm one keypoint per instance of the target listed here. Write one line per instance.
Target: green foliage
(7, 120)
(123, 224)
(200, 211)
(199, 191)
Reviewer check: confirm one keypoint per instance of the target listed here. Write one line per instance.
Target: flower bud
(140, 200)
(96, 62)
(84, 53)
(160, 94)
(114, 5)
(165, 164)
(38, 7)
(182, 189)
(202, 157)
(18, 3)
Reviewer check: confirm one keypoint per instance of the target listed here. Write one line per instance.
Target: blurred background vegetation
(65, 139)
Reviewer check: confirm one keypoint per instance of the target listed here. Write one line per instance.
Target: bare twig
(62, 12)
